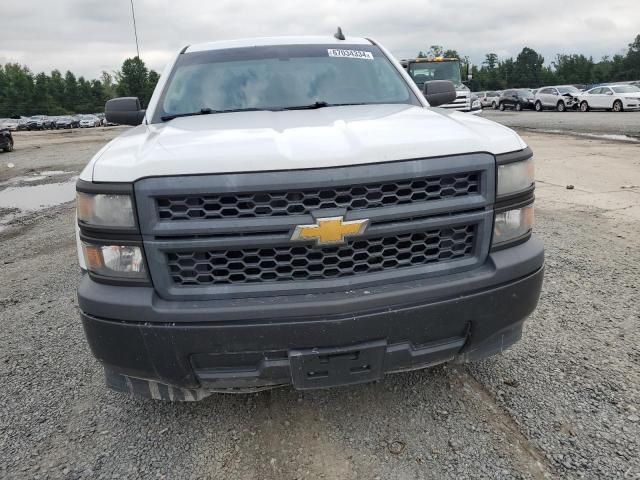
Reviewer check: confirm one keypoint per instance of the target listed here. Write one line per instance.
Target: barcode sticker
(338, 52)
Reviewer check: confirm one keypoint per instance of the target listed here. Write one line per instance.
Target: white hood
(325, 137)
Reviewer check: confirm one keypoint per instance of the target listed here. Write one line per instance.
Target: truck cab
(293, 212)
(422, 70)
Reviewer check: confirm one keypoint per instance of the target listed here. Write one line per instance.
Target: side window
(595, 91)
(545, 91)
(607, 91)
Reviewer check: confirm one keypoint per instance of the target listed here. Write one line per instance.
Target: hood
(266, 141)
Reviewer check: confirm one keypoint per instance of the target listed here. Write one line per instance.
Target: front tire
(561, 106)
(518, 107)
(617, 106)
(9, 148)
(584, 106)
(538, 106)
(501, 107)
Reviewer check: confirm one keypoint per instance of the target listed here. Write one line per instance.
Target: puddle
(31, 198)
(603, 136)
(34, 177)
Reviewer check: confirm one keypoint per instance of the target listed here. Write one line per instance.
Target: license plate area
(330, 367)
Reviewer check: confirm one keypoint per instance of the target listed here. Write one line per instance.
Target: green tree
(133, 79)
(631, 63)
(527, 69)
(70, 92)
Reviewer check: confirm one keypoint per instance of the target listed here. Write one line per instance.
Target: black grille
(303, 262)
(298, 202)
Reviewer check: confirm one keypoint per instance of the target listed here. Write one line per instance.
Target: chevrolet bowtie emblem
(329, 230)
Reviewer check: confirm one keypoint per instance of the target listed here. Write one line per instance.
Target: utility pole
(135, 30)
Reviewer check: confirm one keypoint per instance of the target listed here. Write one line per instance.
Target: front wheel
(617, 106)
(501, 107)
(518, 107)
(9, 147)
(584, 106)
(538, 106)
(561, 107)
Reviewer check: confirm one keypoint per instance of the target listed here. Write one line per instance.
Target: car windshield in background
(422, 72)
(625, 89)
(524, 93)
(564, 90)
(281, 77)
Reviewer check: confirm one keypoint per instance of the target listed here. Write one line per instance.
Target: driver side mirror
(124, 111)
(439, 92)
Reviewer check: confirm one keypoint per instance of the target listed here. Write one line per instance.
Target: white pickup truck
(294, 211)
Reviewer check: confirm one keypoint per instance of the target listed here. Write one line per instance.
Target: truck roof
(283, 40)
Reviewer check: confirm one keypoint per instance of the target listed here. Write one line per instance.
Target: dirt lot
(563, 403)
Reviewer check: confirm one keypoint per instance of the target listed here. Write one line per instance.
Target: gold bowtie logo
(330, 230)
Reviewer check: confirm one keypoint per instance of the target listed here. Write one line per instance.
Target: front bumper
(183, 350)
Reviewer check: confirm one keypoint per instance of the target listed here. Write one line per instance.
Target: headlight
(118, 261)
(105, 210)
(512, 224)
(515, 177)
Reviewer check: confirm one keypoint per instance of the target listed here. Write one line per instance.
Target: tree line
(23, 93)
(529, 70)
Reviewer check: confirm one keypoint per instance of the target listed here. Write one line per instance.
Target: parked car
(38, 122)
(65, 122)
(558, 98)
(22, 124)
(517, 99)
(611, 97)
(6, 140)
(307, 234)
(489, 99)
(89, 121)
(10, 124)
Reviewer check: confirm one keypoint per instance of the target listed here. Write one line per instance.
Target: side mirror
(124, 111)
(439, 92)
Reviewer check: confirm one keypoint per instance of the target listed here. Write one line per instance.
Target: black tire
(617, 106)
(501, 107)
(494, 105)
(538, 106)
(561, 107)
(9, 148)
(518, 107)
(584, 106)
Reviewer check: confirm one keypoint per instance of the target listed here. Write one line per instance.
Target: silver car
(489, 99)
(560, 98)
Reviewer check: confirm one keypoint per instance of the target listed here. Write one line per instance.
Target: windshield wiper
(311, 106)
(208, 111)
(315, 105)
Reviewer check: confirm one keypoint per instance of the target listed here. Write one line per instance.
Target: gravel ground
(593, 123)
(563, 403)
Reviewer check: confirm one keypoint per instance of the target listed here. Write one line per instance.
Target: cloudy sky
(88, 36)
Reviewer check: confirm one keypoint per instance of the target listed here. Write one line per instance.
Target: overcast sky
(88, 36)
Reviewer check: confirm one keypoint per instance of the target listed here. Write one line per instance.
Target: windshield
(524, 93)
(568, 90)
(281, 77)
(426, 71)
(625, 89)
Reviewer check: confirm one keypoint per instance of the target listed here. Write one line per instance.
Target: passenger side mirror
(124, 111)
(439, 92)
